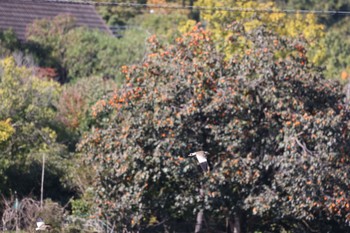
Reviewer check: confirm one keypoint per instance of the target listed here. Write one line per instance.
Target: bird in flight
(202, 159)
(41, 226)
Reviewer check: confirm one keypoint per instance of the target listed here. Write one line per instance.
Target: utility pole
(16, 205)
(48, 143)
(42, 181)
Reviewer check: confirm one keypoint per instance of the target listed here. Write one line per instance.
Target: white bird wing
(39, 224)
(201, 158)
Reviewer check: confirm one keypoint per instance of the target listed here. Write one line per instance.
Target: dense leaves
(119, 15)
(336, 47)
(275, 128)
(326, 33)
(6, 130)
(326, 5)
(8, 42)
(292, 25)
(165, 26)
(27, 119)
(80, 52)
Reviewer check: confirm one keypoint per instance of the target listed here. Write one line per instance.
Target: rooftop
(18, 14)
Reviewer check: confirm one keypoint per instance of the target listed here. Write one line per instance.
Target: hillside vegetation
(112, 120)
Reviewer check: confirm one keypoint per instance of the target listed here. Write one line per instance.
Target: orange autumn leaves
(135, 86)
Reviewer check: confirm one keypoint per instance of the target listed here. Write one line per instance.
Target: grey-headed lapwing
(202, 159)
(41, 226)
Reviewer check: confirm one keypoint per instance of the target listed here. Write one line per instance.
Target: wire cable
(203, 8)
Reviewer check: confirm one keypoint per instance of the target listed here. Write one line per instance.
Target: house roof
(18, 14)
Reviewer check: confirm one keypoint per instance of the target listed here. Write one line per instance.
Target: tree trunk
(199, 221)
(200, 214)
(235, 224)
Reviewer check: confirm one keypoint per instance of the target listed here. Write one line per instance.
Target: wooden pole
(42, 182)
(16, 209)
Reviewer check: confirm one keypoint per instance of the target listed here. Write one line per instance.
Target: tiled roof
(17, 14)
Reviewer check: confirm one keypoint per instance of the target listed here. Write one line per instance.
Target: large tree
(276, 131)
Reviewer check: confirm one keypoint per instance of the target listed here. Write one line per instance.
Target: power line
(204, 8)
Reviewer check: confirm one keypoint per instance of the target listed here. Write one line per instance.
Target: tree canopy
(28, 130)
(241, 85)
(291, 25)
(275, 128)
(77, 52)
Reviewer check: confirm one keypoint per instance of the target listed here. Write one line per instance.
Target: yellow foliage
(10, 68)
(23, 93)
(6, 130)
(292, 25)
(186, 26)
(14, 76)
(305, 25)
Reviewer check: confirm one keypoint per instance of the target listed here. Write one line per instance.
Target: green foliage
(336, 47)
(326, 5)
(29, 102)
(25, 96)
(83, 207)
(318, 5)
(80, 208)
(74, 107)
(50, 37)
(163, 25)
(119, 15)
(276, 131)
(132, 48)
(81, 52)
(8, 42)
(94, 53)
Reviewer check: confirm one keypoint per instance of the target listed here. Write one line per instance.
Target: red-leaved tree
(276, 131)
